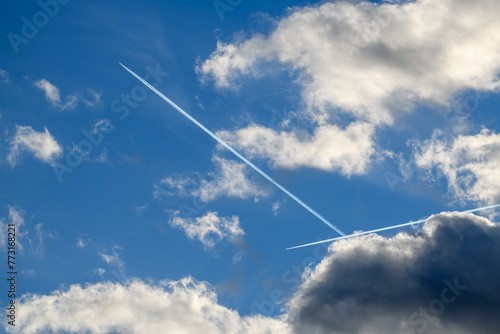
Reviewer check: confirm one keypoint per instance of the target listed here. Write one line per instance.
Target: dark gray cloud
(443, 279)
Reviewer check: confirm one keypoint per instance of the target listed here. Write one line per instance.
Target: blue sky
(367, 112)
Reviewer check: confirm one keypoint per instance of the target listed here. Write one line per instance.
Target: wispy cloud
(36, 244)
(15, 217)
(113, 258)
(89, 97)
(140, 209)
(276, 207)
(80, 243)
(229, 178)
(30, 238)
(41, 144)
(208, 229)
(5, 76)
(28, 273)
(99, 271)
(470, 164)
(51, 91)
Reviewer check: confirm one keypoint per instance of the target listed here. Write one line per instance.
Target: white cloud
(80, 243)
(276, 207)
(208, 229)
(16, 218)
(470, 163)
(3, 234)
(85, 155)
(99, 271)
(102, 125)
(238, 256)
(184, 184)
(29, 238)
(51, 91)
(28, 273)
(89, 97)
(70, 104)
(228, 179)
(113, 258)
(41, 144)
(5, 76)
(36, 244)
(369, 284)
(140, 209)
(103, 157)
(370, 60)
(182, 307)
(371, 63)
(330, 148)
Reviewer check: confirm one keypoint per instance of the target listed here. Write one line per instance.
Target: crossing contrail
(385, 228)
(223, 143)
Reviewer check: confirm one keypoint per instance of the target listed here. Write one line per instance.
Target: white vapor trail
(384, 228)
(223, 143)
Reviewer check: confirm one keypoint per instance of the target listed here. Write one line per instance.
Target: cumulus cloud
(373, 60)
(228, 179)
(330, 148)
(470, 164)
(442, 279)
(362, 61)
(208, 229)
(41, 144)
(89, 97)
(185, 306)
(439, 280)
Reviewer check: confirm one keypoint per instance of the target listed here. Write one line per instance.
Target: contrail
(384, 228)
(223, 143)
